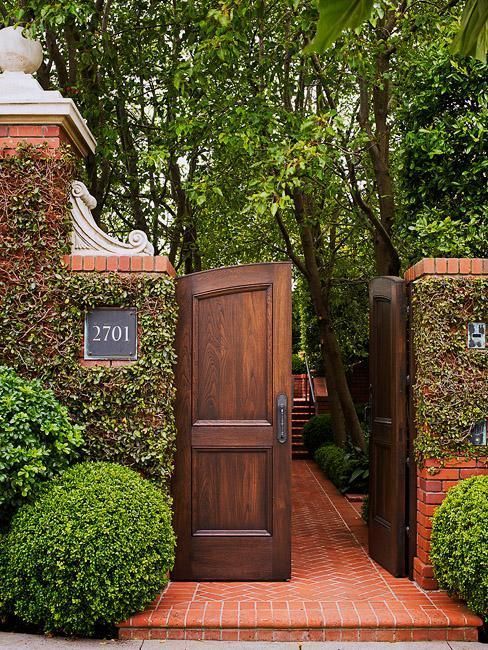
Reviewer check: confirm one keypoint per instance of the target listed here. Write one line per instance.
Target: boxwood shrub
(335, 463)
(317, 432)
(37, 439)
(459, 550)
(93, 548)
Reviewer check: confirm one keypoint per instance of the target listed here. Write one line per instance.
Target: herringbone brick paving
(336, 593)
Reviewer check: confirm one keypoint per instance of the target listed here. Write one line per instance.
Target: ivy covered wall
(451, 382)
(127, 411)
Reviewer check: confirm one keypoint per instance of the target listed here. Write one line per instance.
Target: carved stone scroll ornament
(89, 239)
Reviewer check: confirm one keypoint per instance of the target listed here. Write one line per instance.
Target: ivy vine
(127, 411)
(451, 387)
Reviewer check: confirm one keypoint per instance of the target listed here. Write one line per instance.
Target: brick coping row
(119, 264)
(447, 266)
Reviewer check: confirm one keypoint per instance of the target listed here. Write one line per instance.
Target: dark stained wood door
(388, 442)
(232, 476)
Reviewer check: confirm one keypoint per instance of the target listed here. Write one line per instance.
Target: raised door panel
(232, 492)
(232, 356)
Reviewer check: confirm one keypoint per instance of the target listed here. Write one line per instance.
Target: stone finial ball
(18, 54)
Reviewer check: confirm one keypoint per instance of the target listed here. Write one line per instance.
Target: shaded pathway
(336, 592)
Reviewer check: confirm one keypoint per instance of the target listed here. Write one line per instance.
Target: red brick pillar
(433, 482)
(435, 479)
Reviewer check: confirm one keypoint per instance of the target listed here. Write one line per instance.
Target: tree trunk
(348, 418)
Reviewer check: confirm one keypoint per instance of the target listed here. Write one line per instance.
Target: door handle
(282, 418)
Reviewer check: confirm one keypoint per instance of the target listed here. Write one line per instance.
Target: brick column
(51, 136)
(433, 482)
(136, 264)
(434, 479)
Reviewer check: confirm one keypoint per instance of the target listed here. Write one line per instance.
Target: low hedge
(37, 438)
(459, 545)
(92, 549)
(317, 432)
(335, 463)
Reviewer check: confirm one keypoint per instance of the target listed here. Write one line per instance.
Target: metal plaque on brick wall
(111, 333)
(477, 336)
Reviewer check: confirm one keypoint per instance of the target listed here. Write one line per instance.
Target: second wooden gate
(388, 442)
(233, 461)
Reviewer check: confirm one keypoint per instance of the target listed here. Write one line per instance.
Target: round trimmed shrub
(92, 549)
(459, 545)
(317, 432)
(335, 463)
(37, 438)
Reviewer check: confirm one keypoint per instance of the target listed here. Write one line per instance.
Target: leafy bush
(358, 479)
(317, 432)
(37, 438)
(459, 550)
(298, 366)
(335, 463)
(92, 549)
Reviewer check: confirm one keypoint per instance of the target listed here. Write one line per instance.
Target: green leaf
(472, 37)
(334, 17)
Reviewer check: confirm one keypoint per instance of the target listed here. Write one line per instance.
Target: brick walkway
(337, 593)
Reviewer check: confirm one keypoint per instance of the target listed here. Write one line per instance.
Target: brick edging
(447, 266)
(119, 264)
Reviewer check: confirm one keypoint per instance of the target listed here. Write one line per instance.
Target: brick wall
(50, 135)
(146, 264)
(433, 481)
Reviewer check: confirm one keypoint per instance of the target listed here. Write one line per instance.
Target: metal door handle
(282, 418)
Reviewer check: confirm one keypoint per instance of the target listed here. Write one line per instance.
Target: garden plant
(459, 551)
(94, 547)
(37, 438)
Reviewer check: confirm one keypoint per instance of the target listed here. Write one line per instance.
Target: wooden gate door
(388, 443)
(233, 461)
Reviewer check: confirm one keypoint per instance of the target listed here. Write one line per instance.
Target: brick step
(304, 633)
(342, 594)
(300, 455)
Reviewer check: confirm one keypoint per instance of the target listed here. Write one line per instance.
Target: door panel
(231, 491)
(234, 360)
(388, 442)
(232, 476)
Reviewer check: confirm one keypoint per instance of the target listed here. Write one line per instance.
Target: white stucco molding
(89, 239)
(23, 101)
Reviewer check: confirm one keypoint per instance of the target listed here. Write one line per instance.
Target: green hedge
(37, 439)
(459, 545)
(92, 549)
(317, 432)
(335, 463)
(450, 390)
(127, 412)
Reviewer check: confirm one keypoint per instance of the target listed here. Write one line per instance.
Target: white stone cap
(24, 101)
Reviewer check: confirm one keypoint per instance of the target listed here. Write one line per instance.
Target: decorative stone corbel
(89, 239)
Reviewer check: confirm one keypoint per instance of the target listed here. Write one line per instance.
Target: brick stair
(300, 415)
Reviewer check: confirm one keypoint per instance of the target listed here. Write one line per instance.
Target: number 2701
(111, 332)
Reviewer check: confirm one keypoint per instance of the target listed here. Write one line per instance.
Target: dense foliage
(317, 432)
(94, 547)
(444, 158)
(37, 438)
(335, 463)
(459, 550)
(450, 389)
(127, 411)
(298, 366)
